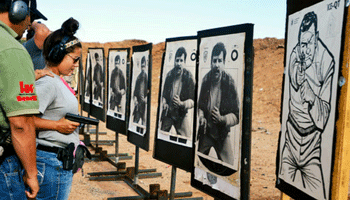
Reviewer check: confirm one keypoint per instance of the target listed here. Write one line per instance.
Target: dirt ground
(268, 74)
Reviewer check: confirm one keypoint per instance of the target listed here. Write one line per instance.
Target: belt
(301, 131)
(55, 150)
(8, 151)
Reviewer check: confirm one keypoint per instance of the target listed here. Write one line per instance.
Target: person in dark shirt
(218, 107)
(140, 95)
(178, 96)
(117, 86)
(98, 78)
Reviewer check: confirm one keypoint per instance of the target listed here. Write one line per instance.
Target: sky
(156, 20)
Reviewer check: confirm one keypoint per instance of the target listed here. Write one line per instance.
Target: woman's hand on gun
(66, 126)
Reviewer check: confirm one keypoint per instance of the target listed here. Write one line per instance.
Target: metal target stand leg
(155, 192)
(87, 139)
(122, 171)
(131, 177)
(172, 194)
(116, 156)
(112, 159)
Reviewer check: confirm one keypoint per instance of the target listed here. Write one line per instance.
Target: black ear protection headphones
(18, 11)
(58, 52)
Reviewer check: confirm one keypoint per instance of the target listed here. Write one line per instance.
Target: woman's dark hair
(52, 51)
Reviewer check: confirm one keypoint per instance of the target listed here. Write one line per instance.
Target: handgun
(81, 119)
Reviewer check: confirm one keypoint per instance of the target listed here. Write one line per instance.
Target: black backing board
(97, 111)
(294, 6)
(141, 141)
(244, 161)
(169, 151)
(86, 105)
(113, 123)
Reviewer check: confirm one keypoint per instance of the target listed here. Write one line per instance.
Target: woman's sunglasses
(75, 60)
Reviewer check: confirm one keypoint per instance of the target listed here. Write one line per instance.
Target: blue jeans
(11, 179)
(54, 181)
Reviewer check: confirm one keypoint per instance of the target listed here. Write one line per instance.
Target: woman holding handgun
(57, 137)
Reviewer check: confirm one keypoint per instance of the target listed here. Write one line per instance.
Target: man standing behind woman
(62, 51)
(37, 33)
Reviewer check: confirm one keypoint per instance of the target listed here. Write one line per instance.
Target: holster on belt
(66, 156)
(80, 153)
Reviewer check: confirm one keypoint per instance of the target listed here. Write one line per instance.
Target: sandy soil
(268, 74)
